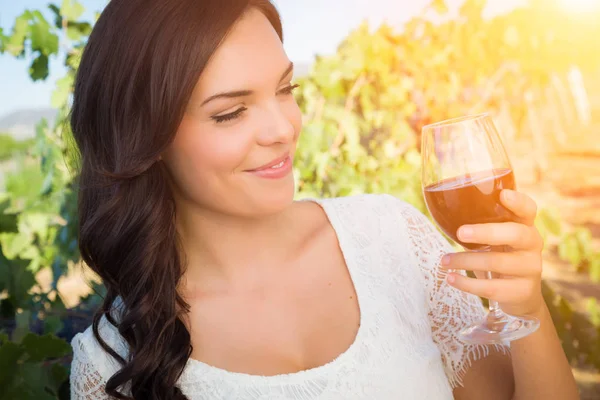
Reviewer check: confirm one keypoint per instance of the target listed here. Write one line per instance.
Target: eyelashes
(289, 89)
(230, 116)
(235, 114)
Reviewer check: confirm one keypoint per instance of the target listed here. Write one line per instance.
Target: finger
(520, 204)
(506, 264)
(500, 290)
(517, 236)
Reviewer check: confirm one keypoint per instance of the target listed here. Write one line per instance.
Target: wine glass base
(500, 330)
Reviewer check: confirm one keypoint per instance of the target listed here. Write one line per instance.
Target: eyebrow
(242, 93)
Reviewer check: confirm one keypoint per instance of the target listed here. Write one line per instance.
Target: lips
(277, 161)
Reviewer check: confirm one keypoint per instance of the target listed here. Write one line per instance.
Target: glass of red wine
(465, 167)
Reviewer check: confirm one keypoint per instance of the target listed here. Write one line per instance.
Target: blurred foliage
(9, 146)
(31, 367)
(364, 108)
(38, 221)
(576, 248)
(579, 330)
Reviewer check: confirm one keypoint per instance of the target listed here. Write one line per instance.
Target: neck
(232, 249)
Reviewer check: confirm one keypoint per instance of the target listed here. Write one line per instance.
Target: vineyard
(534, 69)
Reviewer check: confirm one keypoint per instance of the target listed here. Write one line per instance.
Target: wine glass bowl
(465, 168)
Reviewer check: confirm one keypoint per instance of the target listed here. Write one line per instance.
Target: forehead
(252, 54)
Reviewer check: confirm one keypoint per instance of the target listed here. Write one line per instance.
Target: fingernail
(450, 278)
(466, 232)
(509, 196)
(446, 260)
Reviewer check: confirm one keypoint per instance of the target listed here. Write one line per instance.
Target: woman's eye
(289, 89)
(230, 116)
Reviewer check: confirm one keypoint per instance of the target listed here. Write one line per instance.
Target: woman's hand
(515, 259)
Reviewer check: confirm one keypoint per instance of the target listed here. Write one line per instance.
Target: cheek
(205, 155)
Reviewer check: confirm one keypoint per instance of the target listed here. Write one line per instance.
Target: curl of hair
(136, 76)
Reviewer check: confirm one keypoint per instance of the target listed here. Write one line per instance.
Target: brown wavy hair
(136, 76)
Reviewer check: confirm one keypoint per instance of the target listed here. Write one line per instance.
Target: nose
(277, 127)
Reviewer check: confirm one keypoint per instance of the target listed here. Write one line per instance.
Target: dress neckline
(348, 253)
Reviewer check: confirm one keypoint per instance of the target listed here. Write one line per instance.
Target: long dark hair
(136, 76)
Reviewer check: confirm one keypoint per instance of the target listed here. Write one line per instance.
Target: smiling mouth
(278, 165)
(275, 164)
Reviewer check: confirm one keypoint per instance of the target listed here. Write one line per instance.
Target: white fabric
(406, 347)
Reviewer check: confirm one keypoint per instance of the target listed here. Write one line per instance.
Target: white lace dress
(406, 346)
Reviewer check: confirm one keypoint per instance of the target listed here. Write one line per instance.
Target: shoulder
(379, 221)
(396, 225)
(365, 207)
(88, 351)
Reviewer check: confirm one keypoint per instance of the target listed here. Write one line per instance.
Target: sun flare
(580, 5)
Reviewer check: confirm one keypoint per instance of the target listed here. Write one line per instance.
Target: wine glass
(465, 167)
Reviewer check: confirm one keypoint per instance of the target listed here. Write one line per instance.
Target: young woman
(220, 285)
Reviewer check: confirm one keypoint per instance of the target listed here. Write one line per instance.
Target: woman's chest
(292, 322)
(388, 360)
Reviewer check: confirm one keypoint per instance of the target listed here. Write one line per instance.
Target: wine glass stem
(494, 308)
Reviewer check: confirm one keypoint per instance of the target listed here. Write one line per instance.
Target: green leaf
(38, 223)
(40, 348)
(3, 39)
(14, 243)
(33, 373)
(595, 268)
(17, 280)
(15, 44)
(31, 385)
(10, 353)
(52, 324)
(17, 391)
(47, 185)
(39, 68)
(5, 280)
(8, 221)
(74, 59)
(548, 220)
(23, 320)
(64, 87)
(568, 250)
(42, 38)
(565, 309)
(593, 308)
(73, 33)
(57, 375)
(71, 10)
(58, 21)
(77, 30)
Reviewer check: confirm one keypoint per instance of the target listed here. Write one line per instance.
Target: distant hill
(21, 124)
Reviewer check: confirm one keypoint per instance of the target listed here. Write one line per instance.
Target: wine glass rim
(457, 120)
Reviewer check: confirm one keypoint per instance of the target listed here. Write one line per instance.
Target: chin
(275, 199)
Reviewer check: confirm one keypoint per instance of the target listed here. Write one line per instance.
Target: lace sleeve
(86, 381)
(450, 310)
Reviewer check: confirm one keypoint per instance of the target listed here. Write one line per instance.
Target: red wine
(470, 199)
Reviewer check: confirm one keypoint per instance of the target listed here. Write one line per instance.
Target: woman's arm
(86, 381)
(538, 367)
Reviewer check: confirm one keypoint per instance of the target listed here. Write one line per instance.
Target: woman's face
(241, 120)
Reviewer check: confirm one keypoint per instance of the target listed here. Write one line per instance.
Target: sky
(311, 27)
